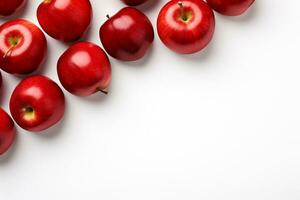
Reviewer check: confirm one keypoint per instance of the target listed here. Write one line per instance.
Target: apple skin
(127, 35)
(37, 103)
(134, 2)
(186, 26)
(23, 47)
(7, 132)
(230, 7)
(9, 7)
(84, 69)
(65, 20)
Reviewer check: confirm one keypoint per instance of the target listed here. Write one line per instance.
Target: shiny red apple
(23, 47)
(65, 20)
(230, 7)
(8, 7)
(7, 132)
(134, 2)
(84, 69)
(37, 103)
(128, 35)
(186, 26)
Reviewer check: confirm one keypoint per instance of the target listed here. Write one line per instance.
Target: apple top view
(149, 100)
(38, 103)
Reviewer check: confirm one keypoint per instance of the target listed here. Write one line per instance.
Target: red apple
(127, 35)
(84, 69)
(186, 26)
(7, 131)
(65, 20)
(23, 47)
(134, 2)
(230, 7)
(8, 7)
(37, 103)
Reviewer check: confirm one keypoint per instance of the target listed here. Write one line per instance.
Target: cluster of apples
(38, 103)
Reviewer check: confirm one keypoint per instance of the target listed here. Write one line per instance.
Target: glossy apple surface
(134, 2)
(230, 7)
(7, 132)
(186, 26)
(23, 47)
(37, 103)
(8, 7)
(84, 69)
(65, 20)
(128, 35)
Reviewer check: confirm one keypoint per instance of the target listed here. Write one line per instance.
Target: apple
(37, 103)
(84, 69)
(230, 7)
(23, 47)
(186, 26)
(127, 35)
(65, 20)
(134, 2)
(8, 7)
(7, 131)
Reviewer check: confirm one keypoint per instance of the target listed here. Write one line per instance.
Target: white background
(221, 124)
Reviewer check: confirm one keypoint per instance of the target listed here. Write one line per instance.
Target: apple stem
(183, 15)
(107, 16)
(8, 51)
(104, 91)
(180, 4)
(181, 7)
